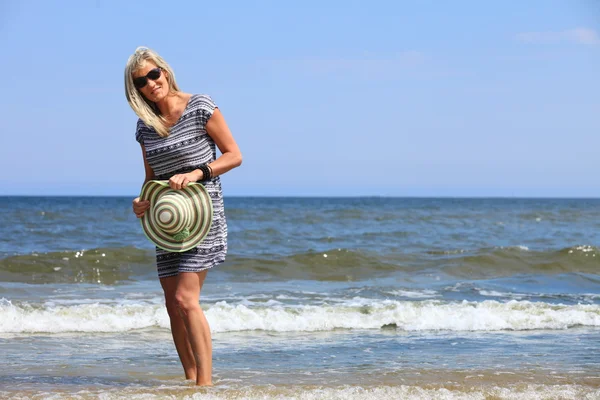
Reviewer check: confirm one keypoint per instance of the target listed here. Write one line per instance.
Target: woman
(178, 133)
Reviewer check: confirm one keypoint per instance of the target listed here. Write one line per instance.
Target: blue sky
(329, 98)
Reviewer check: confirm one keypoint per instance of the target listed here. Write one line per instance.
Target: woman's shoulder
(141, 125)
(142, 128)
(202, 102)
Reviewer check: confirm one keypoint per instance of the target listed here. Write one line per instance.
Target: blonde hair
(145, 109)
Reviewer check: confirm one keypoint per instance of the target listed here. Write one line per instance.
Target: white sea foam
(358, 313)
(414, 294)
(517, 247)
(590, 296)
(585, 248)
(495, 293)
(527, 391)
(583, 297)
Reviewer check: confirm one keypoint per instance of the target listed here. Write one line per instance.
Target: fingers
(139, 214)
(140, 207)
(174, 182)
(179, 181)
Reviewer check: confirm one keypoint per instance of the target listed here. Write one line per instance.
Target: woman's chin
(157, 96)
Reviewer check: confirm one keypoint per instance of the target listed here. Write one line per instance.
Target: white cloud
(577, 35)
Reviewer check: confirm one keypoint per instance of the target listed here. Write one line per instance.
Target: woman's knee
(186, 302)
(172, 308)
(169, 286)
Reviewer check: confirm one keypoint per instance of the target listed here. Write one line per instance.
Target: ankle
(191, 374)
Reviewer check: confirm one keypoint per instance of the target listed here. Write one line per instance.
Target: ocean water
(320, 298)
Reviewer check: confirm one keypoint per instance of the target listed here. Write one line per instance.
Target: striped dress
(187, 146)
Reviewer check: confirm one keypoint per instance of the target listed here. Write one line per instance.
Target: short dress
(188, 146)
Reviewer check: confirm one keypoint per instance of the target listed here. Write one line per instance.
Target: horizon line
(367, 196)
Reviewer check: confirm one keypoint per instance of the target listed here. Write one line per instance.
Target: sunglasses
(142, 81)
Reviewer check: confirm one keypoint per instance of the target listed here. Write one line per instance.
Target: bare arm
(230, 158)
(149, 172)
(140, 207)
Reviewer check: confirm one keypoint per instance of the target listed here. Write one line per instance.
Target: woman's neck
(170, 104)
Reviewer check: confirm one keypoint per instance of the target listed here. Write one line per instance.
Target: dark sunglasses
(142, 81)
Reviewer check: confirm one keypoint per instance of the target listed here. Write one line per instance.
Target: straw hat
(177, 220)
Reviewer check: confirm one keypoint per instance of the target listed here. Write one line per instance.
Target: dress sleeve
(207, 107)
(139, 132)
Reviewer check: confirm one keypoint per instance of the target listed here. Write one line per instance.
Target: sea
(320, 298)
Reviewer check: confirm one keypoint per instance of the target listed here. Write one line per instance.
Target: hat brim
(202, 218)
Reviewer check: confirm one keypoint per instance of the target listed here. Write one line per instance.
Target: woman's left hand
(180, 181)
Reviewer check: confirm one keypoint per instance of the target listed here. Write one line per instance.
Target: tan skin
(189, 327)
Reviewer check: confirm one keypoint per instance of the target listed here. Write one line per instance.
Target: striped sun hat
(177, 220)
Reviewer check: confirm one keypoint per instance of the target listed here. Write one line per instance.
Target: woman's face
(155, 86)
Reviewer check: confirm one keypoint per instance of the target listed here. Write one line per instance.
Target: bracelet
(206, 172)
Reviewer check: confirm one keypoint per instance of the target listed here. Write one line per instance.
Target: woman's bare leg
(178, 330)
(187, 296)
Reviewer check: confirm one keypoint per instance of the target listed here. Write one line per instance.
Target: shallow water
(319, 298)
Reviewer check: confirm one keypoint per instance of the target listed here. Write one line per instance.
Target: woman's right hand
(140, 207)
